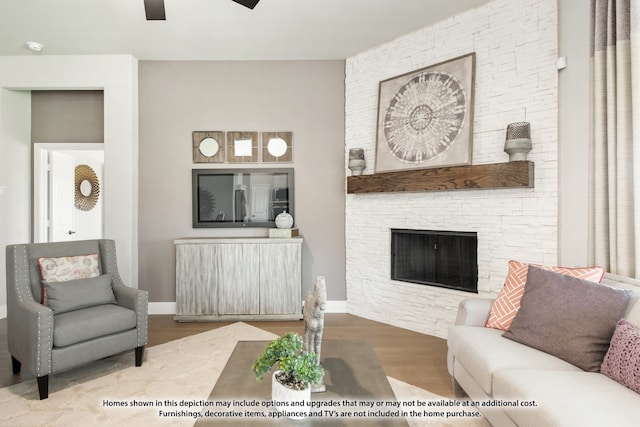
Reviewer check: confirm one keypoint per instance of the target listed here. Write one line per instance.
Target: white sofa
(490, 368)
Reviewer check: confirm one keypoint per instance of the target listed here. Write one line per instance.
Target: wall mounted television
(241, 197)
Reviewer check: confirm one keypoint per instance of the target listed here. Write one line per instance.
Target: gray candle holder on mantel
(518, 141)
(356, 161)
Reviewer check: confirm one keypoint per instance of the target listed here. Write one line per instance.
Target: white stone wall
(515, 42)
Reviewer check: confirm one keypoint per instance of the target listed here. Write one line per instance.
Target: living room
(152, 106)
(138, 146)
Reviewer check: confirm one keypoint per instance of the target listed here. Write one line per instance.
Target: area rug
(112, 392)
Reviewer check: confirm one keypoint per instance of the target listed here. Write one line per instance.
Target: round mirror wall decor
(277, 147)
(209, 147)
(87, 188)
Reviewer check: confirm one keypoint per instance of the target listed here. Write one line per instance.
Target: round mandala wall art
(425, 117)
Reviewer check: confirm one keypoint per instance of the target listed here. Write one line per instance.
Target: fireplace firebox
(447, 259)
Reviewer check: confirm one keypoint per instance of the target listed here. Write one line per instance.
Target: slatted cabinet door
(239, 266)
(280, 278)
(194, 286)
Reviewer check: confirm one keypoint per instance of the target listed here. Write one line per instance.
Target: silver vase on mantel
(356, 161)
(518, 141)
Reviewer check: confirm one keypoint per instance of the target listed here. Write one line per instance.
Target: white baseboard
(170, 307)
(336, 307)
(162, 308)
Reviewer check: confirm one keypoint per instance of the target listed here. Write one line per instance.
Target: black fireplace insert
(447, 259)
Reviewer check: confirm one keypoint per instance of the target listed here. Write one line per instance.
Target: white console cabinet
(238, 279)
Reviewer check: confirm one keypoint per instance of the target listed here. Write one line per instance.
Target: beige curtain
(614, 228)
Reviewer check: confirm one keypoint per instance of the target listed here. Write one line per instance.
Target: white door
(54, 211)
(61, 193)
(260, 202)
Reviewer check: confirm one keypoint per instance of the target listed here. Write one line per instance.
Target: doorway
(67, 201)
(260, 202)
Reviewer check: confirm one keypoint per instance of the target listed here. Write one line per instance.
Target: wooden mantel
(494, 175)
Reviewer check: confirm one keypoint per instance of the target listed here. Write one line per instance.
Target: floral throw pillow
(507, 304)
(64, 269)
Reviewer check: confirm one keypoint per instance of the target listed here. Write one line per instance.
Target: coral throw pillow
(507, 304)
(622, 362)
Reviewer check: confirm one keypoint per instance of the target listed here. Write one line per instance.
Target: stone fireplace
(447, 259)
(516, 46)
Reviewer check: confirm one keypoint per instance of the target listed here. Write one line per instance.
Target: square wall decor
(242, 147)
(277, 147)
(208, 147)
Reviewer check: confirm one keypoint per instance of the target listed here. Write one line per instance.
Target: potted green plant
(298, 369)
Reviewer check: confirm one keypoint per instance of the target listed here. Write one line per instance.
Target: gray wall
(67, 116)
(177, 98)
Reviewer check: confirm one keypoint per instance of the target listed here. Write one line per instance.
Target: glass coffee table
(357, 391)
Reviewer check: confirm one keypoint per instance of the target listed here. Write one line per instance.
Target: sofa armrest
(474, 311)
(138, 301)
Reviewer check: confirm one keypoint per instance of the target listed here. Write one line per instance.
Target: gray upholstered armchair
(78, 321)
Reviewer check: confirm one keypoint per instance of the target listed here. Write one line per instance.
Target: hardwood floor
(408, 356)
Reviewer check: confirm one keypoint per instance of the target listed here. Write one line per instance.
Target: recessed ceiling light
(35, 46)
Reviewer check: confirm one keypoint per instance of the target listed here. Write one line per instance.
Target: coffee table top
(354, 381)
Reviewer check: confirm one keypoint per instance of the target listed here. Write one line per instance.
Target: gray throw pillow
(80, 293)
(567, 317)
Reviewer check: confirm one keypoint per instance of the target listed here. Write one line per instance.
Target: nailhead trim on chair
(112, 265)
(24, 272)
(141, 319)
(23, 288)
(38, 346)
(49, 342)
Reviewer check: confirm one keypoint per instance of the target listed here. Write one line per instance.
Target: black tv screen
(241, 197)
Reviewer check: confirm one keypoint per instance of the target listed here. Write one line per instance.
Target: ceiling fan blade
(154, 10)
(247, 3)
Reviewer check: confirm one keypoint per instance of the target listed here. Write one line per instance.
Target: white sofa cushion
(567, 398)
(483, 351)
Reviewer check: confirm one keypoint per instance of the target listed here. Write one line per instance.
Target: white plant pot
(286, 399)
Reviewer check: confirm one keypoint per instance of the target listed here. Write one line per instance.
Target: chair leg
(139, 354)
(15, 365)
(43, 386)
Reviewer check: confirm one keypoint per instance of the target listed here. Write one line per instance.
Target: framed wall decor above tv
(241, 197)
